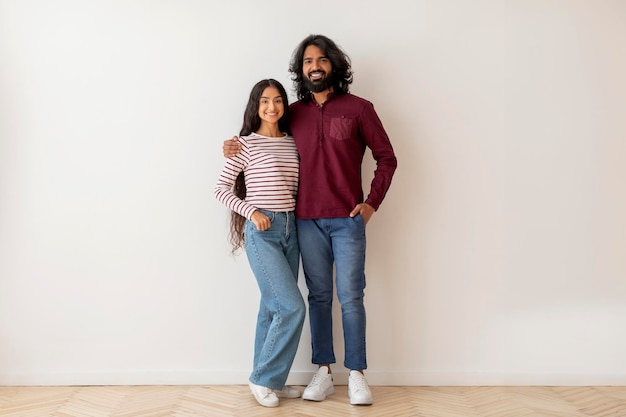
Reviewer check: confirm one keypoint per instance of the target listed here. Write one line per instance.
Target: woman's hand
(260, 220)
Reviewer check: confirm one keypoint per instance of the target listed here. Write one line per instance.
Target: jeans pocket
(270, 214)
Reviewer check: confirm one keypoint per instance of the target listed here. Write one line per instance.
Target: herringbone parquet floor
(236, 400)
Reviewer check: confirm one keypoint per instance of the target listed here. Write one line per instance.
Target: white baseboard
(175, 377)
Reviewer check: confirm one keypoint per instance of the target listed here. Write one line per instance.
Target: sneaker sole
(361, 402)
(321, 397)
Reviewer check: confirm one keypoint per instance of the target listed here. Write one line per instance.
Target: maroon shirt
(331, 140)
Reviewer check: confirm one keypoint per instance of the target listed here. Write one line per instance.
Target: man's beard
(319, 86)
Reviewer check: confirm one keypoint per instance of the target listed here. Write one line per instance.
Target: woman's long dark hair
(342, 69)
(252, 123)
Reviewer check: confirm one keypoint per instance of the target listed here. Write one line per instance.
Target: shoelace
(359, 383)
(318, 380)
(265, 392)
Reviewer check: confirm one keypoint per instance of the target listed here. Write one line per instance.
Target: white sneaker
(320, 387)
(358, 390)
(264, 396)
(288, 392)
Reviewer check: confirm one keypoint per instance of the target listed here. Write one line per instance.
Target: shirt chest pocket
(342, 128)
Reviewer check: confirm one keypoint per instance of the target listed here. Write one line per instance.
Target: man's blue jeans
(273, 255)
(338, 241)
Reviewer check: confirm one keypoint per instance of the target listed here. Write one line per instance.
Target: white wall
(497, 257)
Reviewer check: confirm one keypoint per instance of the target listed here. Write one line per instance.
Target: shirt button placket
(320, 127)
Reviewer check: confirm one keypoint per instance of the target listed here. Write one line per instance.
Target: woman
(259, 185)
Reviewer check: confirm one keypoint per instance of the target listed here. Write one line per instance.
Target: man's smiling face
(317, 69)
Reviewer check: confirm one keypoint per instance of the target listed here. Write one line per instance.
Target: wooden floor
(236, 400)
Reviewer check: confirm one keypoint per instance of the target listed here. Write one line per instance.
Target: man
(332, 129)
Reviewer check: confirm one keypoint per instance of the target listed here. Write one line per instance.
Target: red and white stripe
(270, 166)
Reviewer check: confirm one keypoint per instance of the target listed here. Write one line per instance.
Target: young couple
(293, 182)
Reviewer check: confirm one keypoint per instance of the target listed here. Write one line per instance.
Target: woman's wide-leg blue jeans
(274, 257)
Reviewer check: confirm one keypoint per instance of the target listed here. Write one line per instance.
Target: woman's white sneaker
(358, 390)
(320, 387)
(264, 396)
(288, 392)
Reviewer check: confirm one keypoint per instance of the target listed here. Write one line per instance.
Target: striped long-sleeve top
(270, 166)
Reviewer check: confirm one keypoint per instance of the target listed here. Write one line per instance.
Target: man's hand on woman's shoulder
(231, 147)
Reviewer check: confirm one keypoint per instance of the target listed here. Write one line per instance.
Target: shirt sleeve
(386, 163)
(224, 188)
